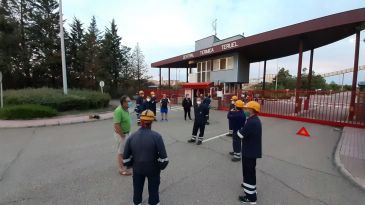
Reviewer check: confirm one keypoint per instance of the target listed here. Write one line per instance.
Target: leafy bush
(26, 111)
(54, 98)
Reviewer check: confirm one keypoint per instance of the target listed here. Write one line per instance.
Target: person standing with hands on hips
(145, 152)
(251, 135)
(187, 104)
(122, 126)
(164, 107)
(201, 114)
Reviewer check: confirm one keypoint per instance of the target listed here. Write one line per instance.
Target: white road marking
(212, 138)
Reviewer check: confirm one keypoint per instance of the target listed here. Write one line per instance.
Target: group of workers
(150, 103)
(145, 152)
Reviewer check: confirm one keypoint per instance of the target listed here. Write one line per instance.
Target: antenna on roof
(214, 25)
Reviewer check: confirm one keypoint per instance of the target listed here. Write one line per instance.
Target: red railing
(323, 107)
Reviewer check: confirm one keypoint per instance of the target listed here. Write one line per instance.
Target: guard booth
(197, 89)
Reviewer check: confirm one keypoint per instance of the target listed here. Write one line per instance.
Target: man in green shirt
(122, 127)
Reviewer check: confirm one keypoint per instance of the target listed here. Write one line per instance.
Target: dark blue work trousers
(153, 186)
(236, 144)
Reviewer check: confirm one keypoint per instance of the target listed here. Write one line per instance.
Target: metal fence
(323, 107)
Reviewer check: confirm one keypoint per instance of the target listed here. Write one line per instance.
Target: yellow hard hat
(141, 92)
(234, 98)
(239, 104)
(253, 105)
(147, 115)
(152, 93)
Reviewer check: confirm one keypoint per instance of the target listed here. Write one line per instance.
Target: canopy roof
(198, 85)
(279, 42)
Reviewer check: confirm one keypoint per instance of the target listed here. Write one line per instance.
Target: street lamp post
(1, 90)
(64, 74)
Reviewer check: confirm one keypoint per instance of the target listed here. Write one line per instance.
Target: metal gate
(323, 107)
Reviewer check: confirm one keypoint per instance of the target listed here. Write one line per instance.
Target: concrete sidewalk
(64, 120)
(350, 155)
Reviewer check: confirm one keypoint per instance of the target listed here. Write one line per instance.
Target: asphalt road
(75, 164)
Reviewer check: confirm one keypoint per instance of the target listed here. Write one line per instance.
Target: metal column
(264, 78)
(169, 79)
(310, 70)
(298, 103)
(187, 75)
(310, 74)
(160, 76)
(354, 77)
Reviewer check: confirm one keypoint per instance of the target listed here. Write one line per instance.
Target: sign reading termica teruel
(211, 50)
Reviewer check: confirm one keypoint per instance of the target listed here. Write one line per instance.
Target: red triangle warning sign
(303, 132)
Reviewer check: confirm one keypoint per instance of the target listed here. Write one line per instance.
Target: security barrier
(323, 107)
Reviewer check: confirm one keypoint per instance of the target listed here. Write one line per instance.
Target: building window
(204, 67)
(209, 65)
(229, 63)
(222, 64)
(216, 64)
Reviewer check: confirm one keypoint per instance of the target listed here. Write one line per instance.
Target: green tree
(139, 66)
(7, 31)
(76, 54)
(285, 80)
(112, 57)
(92, 53)
(45, 43)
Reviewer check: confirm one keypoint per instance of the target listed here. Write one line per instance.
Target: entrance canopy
(279, 42)
(204, 85)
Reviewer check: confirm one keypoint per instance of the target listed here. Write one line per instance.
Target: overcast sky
(167, 28)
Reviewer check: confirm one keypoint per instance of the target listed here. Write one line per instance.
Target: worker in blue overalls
(231, 108)
(201, 114)
(207, 102)
(145, 152)
(139, 106)
(237, 120)
(251, 135)
(153, 103)
(147, 104)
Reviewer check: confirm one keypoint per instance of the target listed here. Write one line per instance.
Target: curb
(75, 119)
(342, 168)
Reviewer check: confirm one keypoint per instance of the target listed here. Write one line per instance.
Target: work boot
(235, 159)
(191, 141)
(246, 200)
(199, 142)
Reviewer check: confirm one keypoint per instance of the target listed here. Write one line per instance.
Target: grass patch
(26, 111)
(54, 98)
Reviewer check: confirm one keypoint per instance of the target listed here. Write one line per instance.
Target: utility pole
(214, 24)
(64, 74)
